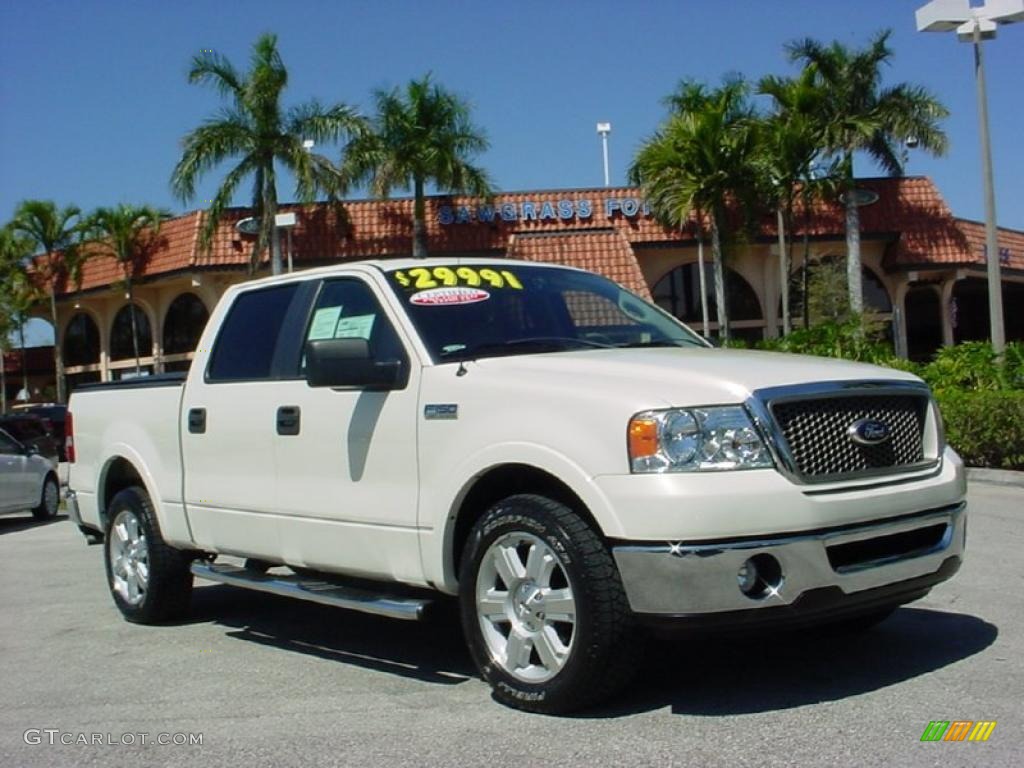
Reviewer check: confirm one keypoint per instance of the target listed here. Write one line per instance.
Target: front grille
(817, 434)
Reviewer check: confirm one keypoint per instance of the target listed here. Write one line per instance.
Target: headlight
(695, 439)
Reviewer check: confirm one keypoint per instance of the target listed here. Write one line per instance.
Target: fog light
(747, 577)
(759, 577)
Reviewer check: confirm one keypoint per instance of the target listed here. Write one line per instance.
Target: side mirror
(31, 450)
(350, 363)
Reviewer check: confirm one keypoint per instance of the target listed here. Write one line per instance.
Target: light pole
(604, 129)
(974, 24)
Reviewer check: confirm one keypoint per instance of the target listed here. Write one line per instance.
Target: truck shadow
(764, 673)
(692, 676)
(430, 651)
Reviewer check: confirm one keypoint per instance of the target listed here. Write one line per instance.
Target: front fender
(441, 498)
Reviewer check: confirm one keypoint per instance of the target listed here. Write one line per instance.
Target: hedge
(985, 427)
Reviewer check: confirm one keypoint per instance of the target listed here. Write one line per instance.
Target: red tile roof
(1011, 244)
(605, 252)
(909, 211)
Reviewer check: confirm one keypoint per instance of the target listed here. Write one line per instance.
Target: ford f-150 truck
(566, 458)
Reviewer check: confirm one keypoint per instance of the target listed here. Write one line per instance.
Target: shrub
(985, 427)
(972, 366)
(853, 339)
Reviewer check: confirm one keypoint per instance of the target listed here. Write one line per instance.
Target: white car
(28, 481)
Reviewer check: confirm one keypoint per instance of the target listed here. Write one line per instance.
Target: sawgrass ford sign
(543, 210)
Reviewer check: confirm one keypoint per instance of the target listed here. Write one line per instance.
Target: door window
(347, 309)
(244, 350)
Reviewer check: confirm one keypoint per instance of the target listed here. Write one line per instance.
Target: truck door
(346, 458)
(229, 425)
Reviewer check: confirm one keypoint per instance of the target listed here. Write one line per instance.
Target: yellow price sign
(424, 278)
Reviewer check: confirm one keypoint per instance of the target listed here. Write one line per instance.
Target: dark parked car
(56, 417)
(33, 431)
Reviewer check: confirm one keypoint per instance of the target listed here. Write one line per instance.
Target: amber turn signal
(643, 437)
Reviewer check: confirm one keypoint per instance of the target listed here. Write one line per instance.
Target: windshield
(465, 312)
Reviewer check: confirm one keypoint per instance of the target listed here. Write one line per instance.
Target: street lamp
(604, 129)
(974, 24)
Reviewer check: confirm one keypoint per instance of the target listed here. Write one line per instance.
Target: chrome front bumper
(681, 579)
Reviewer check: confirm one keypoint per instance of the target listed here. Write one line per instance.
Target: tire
(49, 500)
(149, 580)
(554, 634)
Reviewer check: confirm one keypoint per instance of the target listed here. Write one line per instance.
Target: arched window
(832, 278)
(186, 318)
(81, 341)
(678, 292)
(121, 334)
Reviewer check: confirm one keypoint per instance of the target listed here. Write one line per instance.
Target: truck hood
(675, 376)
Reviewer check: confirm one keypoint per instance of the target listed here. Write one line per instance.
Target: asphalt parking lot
(268, 681)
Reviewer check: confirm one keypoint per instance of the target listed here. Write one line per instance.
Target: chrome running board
(314, 590)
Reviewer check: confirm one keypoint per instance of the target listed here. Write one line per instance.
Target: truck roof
(387, 265)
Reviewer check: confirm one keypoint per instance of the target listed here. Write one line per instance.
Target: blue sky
(94, 98)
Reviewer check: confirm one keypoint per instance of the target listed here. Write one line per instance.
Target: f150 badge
(441, 411)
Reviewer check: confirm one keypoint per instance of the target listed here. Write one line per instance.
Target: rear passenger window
(244, 350)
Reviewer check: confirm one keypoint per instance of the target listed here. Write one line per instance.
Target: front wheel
(149, 580)
(543, 609)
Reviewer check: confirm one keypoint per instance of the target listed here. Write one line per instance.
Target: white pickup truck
(566, 458)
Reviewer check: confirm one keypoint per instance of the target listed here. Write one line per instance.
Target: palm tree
(861, 116)
(54, 232)
(259, 133)
(129, 234)
(700, 157)
(789, 144)
(424, 135)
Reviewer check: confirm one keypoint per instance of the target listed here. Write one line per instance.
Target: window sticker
(422, 278)
(446, 297)
(355, 327)
(325, 321)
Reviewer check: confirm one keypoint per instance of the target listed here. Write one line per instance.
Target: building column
(106, 318)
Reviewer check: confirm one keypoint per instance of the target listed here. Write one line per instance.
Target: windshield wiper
(655, 343)
(529, 345)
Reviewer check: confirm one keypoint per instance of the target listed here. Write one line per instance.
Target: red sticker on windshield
(444, 297)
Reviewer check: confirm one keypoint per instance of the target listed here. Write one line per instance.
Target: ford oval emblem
(869, 432)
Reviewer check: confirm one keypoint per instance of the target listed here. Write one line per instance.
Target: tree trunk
(24, 359)
(3, 382)
(719, 275)
(135, 329)
(270, 215)
(783, 272)
(58, 356)
(703, 283)
(419, 223)
(805, 267)
(853, 268)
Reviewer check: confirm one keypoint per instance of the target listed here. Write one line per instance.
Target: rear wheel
(543, 609)
(49, 501)
(149, 580)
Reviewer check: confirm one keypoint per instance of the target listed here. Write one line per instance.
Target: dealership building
(924, 268)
